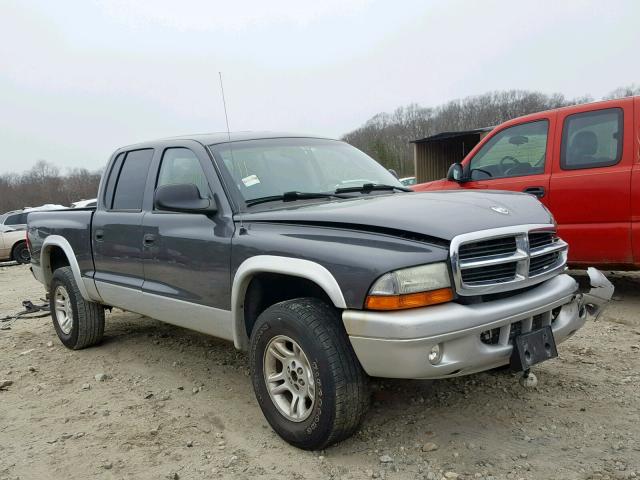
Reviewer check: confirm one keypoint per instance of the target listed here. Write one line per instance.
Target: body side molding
(276, 264)
(193, 316)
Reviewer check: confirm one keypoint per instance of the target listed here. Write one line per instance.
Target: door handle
(148, 239)
(537, 191)
(99, 235)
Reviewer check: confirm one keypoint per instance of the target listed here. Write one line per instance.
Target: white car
(91, 203)
(13, 225)
(13, 245)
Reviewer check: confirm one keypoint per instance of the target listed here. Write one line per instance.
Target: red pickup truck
(582, 162)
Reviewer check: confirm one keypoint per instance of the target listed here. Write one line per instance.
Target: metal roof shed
(433, 155)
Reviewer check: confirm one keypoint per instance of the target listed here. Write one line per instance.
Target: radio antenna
(226, 118)
(224, 104)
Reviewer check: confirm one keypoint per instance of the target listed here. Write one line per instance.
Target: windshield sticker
(250, 180)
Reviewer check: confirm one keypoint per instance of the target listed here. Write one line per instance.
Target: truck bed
(74, 225)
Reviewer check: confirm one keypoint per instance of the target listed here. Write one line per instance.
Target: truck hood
(442, 215)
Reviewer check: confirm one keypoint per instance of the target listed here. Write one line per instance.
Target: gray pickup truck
(312, 257)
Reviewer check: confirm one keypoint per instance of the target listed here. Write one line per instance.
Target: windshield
(269, 167)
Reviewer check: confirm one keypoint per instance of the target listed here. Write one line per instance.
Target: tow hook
(528, 379)
(596, 300)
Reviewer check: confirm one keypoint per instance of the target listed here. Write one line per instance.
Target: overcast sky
(79, 79)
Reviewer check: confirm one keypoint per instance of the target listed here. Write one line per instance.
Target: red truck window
(514, 152)
(592, 139)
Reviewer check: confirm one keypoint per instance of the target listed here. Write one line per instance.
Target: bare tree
(387, 136)
(43, 183)
(621, 92)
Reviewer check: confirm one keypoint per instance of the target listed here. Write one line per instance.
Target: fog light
(435, 355)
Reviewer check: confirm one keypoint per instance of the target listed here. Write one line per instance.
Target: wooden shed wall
(433, 159)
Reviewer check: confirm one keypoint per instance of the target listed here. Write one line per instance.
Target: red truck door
(516, 156)
(591, 182)
(635, 186)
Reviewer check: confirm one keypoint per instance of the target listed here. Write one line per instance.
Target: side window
(129, 189)
(592, 139)
(16, 219)
(180, 165)
(514, 152)
(111, 181)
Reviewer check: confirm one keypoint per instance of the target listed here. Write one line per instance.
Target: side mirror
(456, 172)
(183, 197)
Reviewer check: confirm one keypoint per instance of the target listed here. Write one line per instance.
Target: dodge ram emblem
(501, 210)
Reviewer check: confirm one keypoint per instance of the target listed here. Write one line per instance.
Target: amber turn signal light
(409, 300)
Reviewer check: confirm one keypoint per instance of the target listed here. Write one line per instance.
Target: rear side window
(180, 165)
(129, 189)
(16, 219)
(592, 139)
(111, 182)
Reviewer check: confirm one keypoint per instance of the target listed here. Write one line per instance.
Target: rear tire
(21, 253)
(78, 323)
(303, 346)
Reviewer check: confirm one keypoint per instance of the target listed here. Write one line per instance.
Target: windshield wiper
(370, 187)
(290, 197)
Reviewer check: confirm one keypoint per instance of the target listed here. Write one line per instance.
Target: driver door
(516, 157)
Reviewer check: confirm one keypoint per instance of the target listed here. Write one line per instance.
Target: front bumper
(397, 344)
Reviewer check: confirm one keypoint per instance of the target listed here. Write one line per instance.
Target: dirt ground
(177, 404)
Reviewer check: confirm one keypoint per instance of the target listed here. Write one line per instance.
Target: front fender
(277, 264)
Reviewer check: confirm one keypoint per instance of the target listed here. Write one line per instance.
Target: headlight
(410, 288)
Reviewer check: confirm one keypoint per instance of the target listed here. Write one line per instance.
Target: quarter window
(514, 152)
(592, 139)
(180, 165)
(129, 189)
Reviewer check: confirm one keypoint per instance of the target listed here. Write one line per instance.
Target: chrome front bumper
(397, 344)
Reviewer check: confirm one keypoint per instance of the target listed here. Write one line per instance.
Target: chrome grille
(485, 248)
(540, 239)
(496, 273)
(506, 259)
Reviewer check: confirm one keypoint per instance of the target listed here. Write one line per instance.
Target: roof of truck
(224, 137)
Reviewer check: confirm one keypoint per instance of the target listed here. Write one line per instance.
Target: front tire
(21, 253)
(78, 322)
(306, 377)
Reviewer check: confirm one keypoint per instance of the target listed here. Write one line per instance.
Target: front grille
(540, 239)
(506, 334)
(495, 273)
(505, 259)
(538, 265)
(487, 248)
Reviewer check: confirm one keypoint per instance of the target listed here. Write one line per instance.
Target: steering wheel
(488, 173)
(509, 158)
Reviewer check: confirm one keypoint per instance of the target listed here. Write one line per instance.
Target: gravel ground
(156, 401)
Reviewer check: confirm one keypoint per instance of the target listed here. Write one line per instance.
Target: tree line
(44, 183)
(387, 136)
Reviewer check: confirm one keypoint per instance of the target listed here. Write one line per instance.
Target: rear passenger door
(591, 183)
(117, 229)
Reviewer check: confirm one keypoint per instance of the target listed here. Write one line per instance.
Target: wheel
(78, 323)
(306, 377)
(21, 253)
